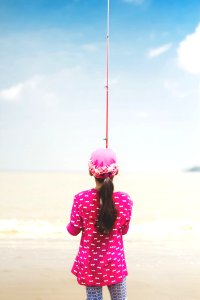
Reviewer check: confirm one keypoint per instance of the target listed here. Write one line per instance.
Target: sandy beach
(163, 254)
(34, 271)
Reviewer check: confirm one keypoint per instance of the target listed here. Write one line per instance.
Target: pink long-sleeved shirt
(100, 260)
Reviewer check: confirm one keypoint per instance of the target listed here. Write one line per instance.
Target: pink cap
(102, 163)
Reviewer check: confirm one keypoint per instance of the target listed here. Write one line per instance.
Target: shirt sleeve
(75, 225)
(125, 226)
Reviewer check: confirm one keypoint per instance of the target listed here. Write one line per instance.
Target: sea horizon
(37, 204)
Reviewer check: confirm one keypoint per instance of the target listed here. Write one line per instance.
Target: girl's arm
(75, 225)
(125, 226)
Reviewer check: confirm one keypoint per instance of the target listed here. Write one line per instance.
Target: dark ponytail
(108, 211)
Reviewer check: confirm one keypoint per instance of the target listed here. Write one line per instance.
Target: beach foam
(150, 230)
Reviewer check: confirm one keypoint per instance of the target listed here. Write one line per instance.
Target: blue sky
(52, 78)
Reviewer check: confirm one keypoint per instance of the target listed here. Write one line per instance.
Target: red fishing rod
(107, 70)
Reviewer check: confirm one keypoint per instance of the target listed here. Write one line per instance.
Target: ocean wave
(31, 228)
(166, 228)
(45, 228)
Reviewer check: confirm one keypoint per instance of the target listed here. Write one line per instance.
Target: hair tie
(106, 179)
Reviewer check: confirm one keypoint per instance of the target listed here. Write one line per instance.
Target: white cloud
(189, 52)
(159, 50)
(16, 92)
(12, 93)
(47, 92)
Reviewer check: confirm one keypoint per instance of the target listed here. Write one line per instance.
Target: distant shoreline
(194, 169)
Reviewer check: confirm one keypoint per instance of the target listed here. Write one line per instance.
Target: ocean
(36, 205)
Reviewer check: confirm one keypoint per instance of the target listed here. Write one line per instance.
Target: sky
(52, 83)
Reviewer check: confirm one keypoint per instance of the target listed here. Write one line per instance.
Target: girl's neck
(98, 185)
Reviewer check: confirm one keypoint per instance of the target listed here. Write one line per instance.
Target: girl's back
(100, 260)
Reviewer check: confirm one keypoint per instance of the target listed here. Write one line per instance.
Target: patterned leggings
(117, 291)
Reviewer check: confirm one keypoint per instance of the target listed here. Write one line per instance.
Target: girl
(103, 216)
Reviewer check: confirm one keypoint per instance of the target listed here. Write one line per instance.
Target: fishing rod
(107, 69)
